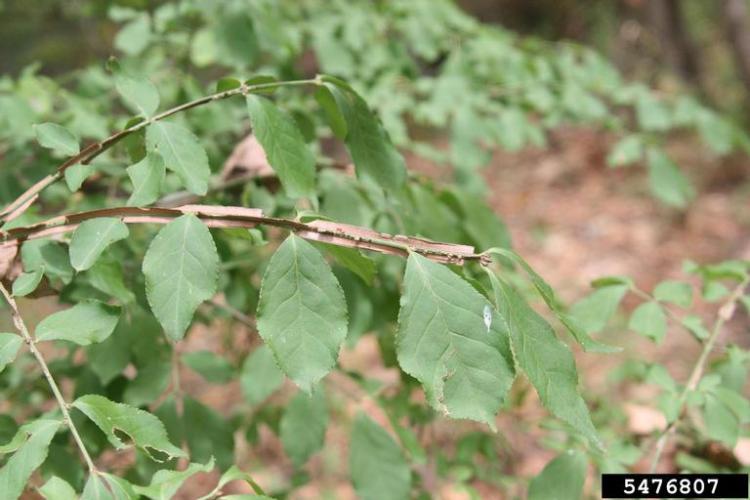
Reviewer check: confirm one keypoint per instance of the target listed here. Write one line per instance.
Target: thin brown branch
(334, 233)
(726, 311)
(650, 298)
(90, 152)
(234, 313)
(176, 381)
(31, 343)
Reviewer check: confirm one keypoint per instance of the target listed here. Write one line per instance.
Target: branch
(725, 314)
(333, 233)
(650, 298)
(21, 327)
(238, 316)
(90, 152)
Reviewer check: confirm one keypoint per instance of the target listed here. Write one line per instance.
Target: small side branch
(725, 314)
(23, 330)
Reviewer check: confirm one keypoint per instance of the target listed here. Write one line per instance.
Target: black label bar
(675, 486)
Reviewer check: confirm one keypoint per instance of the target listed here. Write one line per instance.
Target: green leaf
(236, 37)
(168, 413)
(96, 489)
(465, 366)
(110, 358)
(649, 320)
(736, 270)
(85, 323)
(104, 486)
(92, 237)
(57, 489)
(107, 276)
(612, 280)
(210, 366)
(8, 429)
(548, 295)
(721, 423)
(745, 300)
(147, 177)
(372, 151)
(547, 362)
(260, 376)
(115, 419)
(165, 483)
(235, 474)
(27, 282)
(50, 256)
(725, 413)
(57, 138)
(594, 311)
(10, 343)
(284, 145)
(652, 113)
(676, 292)
(151, 381)
(17, 438)
(134, 36)
(208, 434)
(735, 401)
(36, 438)
(182, 153)
(303, 426)
(139, 94)
(667, 182)
(181, 268)
(302, 312)
(432, 218)
(694, 324)
(561, 478)
(734, 368)
(713, 291)
(658, 374)
(628, 150)
(262, 80)
(227, 83)
(376, 464)
(353, 260)
(479, 221)
(335, 119)
(76, 174)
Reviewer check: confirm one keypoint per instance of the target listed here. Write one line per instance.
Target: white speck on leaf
(487, 317)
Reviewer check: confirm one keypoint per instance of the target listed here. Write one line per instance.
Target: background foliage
(135, 303)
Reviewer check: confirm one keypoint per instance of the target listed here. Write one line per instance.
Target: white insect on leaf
(487, 317)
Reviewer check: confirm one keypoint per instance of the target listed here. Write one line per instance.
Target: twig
(90, 152)
(333, 233)
(21, 327)
(234, 313)
(647, 296)
(725, 314)
(176, 385)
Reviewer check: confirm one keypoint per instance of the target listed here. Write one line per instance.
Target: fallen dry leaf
(247, 159)
(742, 451)
(644, 419)
(7, 256)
